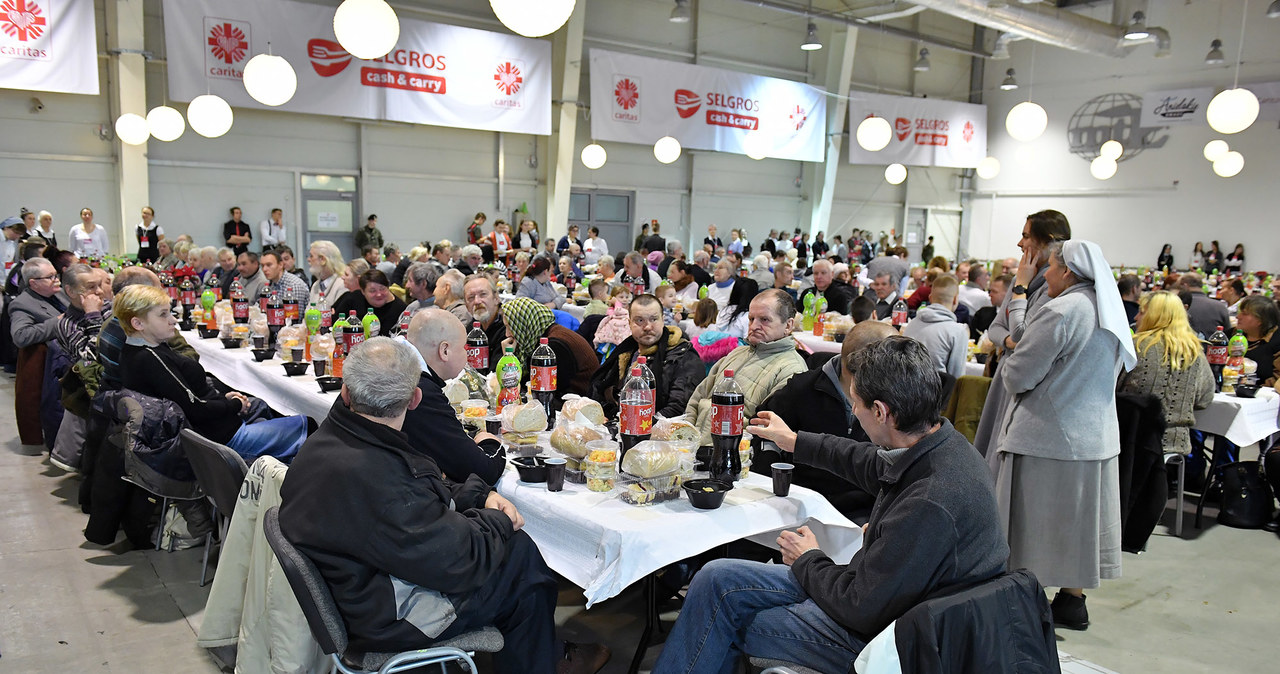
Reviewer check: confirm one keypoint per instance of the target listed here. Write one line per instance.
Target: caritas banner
(639, 100)
(437, 74)
(926, 131)
(48, 45)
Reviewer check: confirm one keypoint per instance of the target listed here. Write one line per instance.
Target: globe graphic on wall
(1111, 117)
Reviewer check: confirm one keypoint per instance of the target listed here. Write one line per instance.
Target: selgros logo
(227, 46)
(328, 58)
(687, 103)
(902, 127)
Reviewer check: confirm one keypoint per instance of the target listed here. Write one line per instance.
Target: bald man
(936, 327)
(432, 427)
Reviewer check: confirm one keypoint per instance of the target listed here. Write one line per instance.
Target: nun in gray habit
(1057, 446)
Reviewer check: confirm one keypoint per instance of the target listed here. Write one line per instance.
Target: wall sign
(926, 131)
(48, 45)
(1176, 107)
(1112, 117)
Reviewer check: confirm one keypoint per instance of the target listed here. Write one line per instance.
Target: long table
(266, 380)
(814, 344)
(1243, 421)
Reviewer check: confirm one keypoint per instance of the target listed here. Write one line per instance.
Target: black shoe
(1069, 611)
(582, 658)
(1273, 526)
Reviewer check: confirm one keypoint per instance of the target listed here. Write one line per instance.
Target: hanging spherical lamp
(874, 133)
(209, 116)
(533, 18)
(1232, 111)
(166, 124)
(1111, 149)
(1102, 168)
(132, 129)
(895, 174)
(1026, 121)
(270, 80)
(1214, 149)
(988, 168)
(756, 146)
(368, 29)
(666, 150)
(1229, 164)
(594, 156)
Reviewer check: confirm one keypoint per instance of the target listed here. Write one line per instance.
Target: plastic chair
(331, 633)
(143, 476)
(219, 472)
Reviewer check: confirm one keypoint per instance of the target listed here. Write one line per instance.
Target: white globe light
(1026, 121)
(594, 156)
(895, 174)
(1232, 111)
(533, 18)
(166, 124)
(1102, 168)
(1111, 149)
(209, 116)
(1229, 164)
(132, 129)
(1214, 149)
(756, 146)
(988, 168)
(368, 29)
(666, 150)
(270, 80)
(874, 133)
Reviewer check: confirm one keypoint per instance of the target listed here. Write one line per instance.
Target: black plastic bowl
(1246, 390)
(532, 469)
(232, 342)
(294, 369)
(703, 499)
(329, 383)
(206, 332)
(263, 354)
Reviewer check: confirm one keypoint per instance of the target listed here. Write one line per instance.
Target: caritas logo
(328, 58)
(509, 78)
(626, 99)
(967, 132)
(687, 103)
(22, 23)
(227, 47)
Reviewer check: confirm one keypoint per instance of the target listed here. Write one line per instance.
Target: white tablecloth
(974, 368)
(815, 344)
(603, 545)
(1243, 421)
(266, 380)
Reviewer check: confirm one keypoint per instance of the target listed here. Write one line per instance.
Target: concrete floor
(1203, 604)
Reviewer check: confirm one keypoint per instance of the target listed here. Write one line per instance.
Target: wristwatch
(1019, 289)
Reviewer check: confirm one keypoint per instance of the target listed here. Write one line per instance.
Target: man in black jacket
(432, 427)
(481, 296)
(675, 365)
(935, 527)
(410, 558)
(837, 293)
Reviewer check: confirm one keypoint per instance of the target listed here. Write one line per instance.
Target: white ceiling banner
(639, 100)
(436, 74)
(48, 45)
(1176, 107)
(926, 131)
(1268, 94)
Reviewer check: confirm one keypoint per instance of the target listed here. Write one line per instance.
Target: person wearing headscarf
(527, 322)
(1056, 459)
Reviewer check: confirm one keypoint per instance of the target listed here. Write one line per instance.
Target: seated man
(675, 365)
(936, 327)
(837, 293)
(816, 401)
(935, 527)
(883, 293)
(483, 303)
(150, 367)
(761, 366)
(410, 558)
(432, 427)
(33, 322)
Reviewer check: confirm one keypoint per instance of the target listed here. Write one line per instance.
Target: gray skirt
(1061, 518)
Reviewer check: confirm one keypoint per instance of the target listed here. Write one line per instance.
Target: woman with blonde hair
(1171, 366)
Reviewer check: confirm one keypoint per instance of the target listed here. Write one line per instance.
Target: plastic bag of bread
(526, 418)
(676, 429)
(575, 405)
(570, 437)
(652, 458)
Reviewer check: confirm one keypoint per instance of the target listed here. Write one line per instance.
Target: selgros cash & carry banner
(926, 131)
(436, 74)
(48, 45)
(639, 100)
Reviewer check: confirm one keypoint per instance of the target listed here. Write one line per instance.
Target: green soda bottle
(312, 319)
(508, 372)
(372, 326)
(702, 292)
(806, 322)
(207, 300)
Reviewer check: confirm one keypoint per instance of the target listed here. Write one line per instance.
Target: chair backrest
(219, 470)
(308, 586)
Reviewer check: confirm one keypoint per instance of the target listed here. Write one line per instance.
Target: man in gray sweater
(935, 527)
(1205, 313)
(936, 327)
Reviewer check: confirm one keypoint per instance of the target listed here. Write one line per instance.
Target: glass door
(330, 205)
(611, 210)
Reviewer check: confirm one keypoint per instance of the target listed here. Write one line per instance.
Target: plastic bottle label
(478, 357)
(636, 419)
(326, 318)
(544, 378)
(240, 309)
(726, 419)
(188, 297)
(275, 315)
(1217, 355)
(291, 311)
(899, 318)
(354, 339)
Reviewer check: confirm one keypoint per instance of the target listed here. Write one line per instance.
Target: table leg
(650, 620)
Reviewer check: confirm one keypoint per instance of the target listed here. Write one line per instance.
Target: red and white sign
(704, 108)
(48, 45)
(436, 74)
(926, 131)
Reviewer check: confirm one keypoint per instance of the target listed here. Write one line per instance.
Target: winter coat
(33, 319)
(759, 370)
(935, 326)
(839, 296)
(1181, 392)
(675, 365)
(434, 430)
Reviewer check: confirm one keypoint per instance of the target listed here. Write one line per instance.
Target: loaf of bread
(573, 406)
(571, 439)
(456, 391)
(526, 418)
(676, 430)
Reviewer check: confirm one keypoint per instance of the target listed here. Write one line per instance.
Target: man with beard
(481, 296)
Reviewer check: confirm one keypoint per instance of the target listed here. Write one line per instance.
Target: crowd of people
(1037, 487)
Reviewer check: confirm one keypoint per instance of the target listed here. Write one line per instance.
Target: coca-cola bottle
(275, 315)
(478, 349)
(239, 303)
(727, 402)
(542, 375)
(636, 419)
(899, 313)
(1216, 353)
(652, 382)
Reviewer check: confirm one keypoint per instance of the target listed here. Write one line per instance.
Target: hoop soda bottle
(899, 313)
(370, 324)
(727, 403)
(1216, 353)
(326, 315)
(649, 379)
(353, 335)
(636, 417)
(405, 319)
(187, 291)
(264, 296)
(170, 286)
(542, 375)
(275, 314)
(292, 308)
(508, 379)
(478, 349)
(239, 303)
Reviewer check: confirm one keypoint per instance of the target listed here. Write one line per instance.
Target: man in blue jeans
(934, 526)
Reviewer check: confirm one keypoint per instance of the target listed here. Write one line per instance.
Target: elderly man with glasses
(33, 323)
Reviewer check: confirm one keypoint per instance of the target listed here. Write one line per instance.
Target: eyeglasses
(43, 278)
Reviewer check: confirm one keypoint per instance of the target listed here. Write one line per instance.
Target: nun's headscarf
(1085, 260)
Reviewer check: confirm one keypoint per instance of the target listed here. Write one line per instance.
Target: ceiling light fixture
(811, 42)
(368, 29)
(895, 174)
(533, 18)
(210, 116)
(132, 129)
(666, 150)
(1010, 81)
(594, 156)
(1214, 149)
(269, 79)
(874, 133)
(1236, 109)
(681, 13)
(1215, 56)
(988, 168)
(1273, 11)
(922, 63)
(1137, 27)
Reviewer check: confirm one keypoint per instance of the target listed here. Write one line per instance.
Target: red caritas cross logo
(21, 19)
(902, 127)
(967, 132)
(687, 103)
(228, 43)
(799, 116)
(508, 78)
(626, 94)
